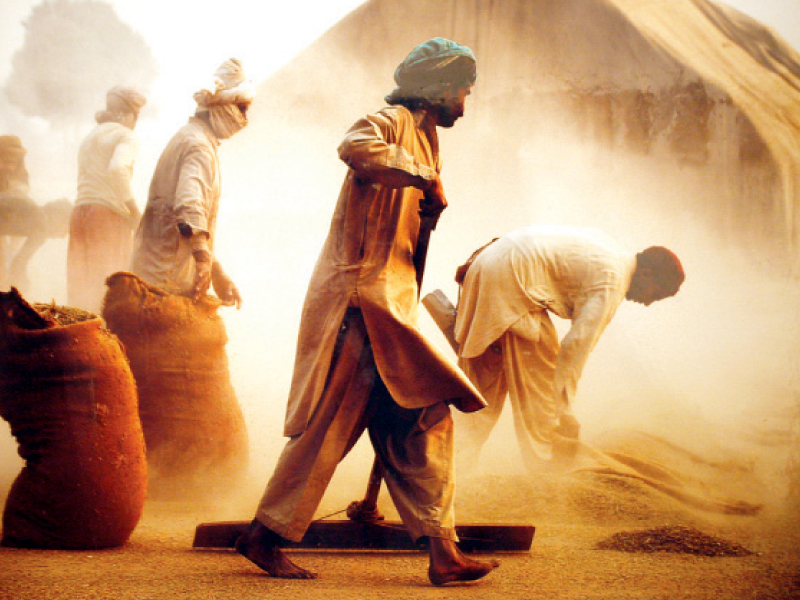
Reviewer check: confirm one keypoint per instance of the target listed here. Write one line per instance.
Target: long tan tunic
(366, 261)
(578, 274)
(185, 189)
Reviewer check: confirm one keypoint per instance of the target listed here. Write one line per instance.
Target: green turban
(431, 68)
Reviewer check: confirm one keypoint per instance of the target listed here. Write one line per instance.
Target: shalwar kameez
(185, 189)
(105, 213)
(361, 361)
(179, 222)
(363, 292)
(508, 343)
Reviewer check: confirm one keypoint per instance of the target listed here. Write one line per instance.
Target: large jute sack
(69, 396)
(193, 424)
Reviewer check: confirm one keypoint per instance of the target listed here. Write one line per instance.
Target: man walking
(361, 360)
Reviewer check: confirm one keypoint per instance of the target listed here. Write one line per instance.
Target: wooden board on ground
(382, 535)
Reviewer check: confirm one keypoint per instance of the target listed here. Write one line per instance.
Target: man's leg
(28, 221)
(308, 460)
(100, 243)
(416, 450)
(473, 429)
(530, 367)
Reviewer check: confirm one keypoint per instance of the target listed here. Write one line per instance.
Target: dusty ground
(605, 493)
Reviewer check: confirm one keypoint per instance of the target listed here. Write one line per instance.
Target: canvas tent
(584, 111)
(664, 122)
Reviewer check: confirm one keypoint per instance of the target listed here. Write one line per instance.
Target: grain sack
(68, 394)
(193, 425)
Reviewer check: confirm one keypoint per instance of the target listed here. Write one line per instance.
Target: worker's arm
(224, 286)
(135, 214)
(367, 150)
(193, 206)
(120, 173)
(588, 323)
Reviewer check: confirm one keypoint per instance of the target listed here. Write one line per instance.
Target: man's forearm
(396, 178)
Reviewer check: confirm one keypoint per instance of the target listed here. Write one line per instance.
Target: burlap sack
(193, 424)
(68, 394)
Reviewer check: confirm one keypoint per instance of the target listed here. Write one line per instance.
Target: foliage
(74, 51)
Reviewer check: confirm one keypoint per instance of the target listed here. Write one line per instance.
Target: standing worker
(193, 424)
(361, 360)
(174, 245)
(20, 216)
(507, 342)
(105, 214)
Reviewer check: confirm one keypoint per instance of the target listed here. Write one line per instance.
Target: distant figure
(105, 214)
(21, 217)
(362, 363)
(174, 245)
(507, 342)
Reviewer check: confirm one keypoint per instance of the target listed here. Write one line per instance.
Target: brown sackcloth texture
(68, 394)
(193, 424)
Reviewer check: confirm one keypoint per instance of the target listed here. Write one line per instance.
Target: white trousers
(522, 369)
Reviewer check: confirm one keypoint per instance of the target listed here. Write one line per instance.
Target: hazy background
(705, 356)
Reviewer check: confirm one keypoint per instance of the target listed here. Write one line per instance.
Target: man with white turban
(174, 245)
(105, 214)
(362, 362)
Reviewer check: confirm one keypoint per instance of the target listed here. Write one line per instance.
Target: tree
(73, 52)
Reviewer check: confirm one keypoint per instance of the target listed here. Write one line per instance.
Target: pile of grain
(63, 315)
(686, 540)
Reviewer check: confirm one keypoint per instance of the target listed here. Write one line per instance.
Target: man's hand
(434, 201)
(224, 287)
(202, 276)
(568, 427)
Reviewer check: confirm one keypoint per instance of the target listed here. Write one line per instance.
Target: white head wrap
(120, 101)
(221, 99)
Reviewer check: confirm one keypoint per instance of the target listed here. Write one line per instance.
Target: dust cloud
(711, 370)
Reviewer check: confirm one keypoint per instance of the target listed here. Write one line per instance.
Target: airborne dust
(711, 370)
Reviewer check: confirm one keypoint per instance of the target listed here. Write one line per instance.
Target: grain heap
(680, 539)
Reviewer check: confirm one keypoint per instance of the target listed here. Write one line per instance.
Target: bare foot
(259, 545)
(448, 564)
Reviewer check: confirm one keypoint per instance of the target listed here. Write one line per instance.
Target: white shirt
(578, 274)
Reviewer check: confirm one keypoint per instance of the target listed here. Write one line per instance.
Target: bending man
(361, 361)
(507, 342)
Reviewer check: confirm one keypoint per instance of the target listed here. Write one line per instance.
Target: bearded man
(105, 214)
(173, 248)
(361, 361)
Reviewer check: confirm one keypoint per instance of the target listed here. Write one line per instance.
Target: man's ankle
(262, 535)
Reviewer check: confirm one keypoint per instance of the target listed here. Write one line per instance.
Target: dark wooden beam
(382, 535)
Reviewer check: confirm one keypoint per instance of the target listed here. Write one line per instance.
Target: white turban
(121, 98)
(229, 86)
(120, 101)
(223, 99)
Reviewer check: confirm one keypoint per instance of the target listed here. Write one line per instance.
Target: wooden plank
(383, 535)
(444, 315)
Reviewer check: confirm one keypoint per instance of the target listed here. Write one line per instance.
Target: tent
(586, 111)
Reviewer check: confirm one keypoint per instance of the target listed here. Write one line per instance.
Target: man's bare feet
(448, 564)
(260, 546)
